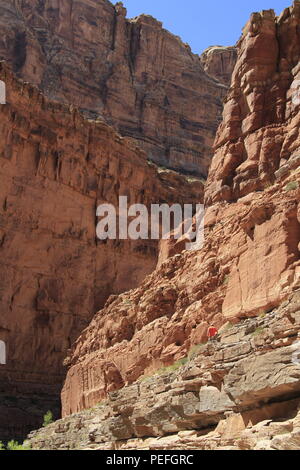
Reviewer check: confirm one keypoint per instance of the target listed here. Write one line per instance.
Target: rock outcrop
(249, 263)
(140, 375)
(240, 393)
(56, 168)
(260, 128)
(139, 77)
(219, 62)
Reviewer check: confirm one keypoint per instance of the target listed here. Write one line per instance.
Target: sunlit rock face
(249, 263)
(259, 134)
(55, 169)
(238, 393)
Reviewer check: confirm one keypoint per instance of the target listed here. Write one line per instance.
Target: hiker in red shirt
(212, 333)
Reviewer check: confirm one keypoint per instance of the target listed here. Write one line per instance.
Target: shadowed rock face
(56, 168)
(249, 263)
(133, 73)
(219, 62)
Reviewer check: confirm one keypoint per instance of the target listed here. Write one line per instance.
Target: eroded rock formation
(260, 128)
(219, 62)
(55, 168)
(136, 75)
(241, 393)
(249, 263)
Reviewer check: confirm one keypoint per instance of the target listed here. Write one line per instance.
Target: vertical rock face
(133, 73)
(219, 62)
(55, 168)
(260, 131)
(240, 392)
(249, 263)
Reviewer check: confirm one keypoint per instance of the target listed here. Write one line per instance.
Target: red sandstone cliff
(241, 392)
(259, 132)
(55, 168)
(133, 73)
(219, 62)
(250, 261)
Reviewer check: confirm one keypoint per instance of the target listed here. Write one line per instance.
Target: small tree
(48, 418)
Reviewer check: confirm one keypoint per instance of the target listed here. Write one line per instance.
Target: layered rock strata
(249, 263)
(133, 73)
(248, 267)
(240, 393)
(219, 62)
(56, 168)
(260, 128)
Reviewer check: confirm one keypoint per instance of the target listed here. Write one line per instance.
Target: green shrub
(182, 362)
(258, 331)
(14, 445)
(177, 365)
(48, 419)
(292, 186)
(195, 350)
(144, 378)
(2, 446)
(226, 327)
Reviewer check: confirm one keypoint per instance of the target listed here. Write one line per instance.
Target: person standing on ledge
(212, 333)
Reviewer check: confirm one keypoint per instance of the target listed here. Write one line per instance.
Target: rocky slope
(248, 265)
(250, 260)
(260, 128)
(240, 393)
(136, 75)
(56, 167)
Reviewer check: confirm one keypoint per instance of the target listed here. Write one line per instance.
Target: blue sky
(203, 23)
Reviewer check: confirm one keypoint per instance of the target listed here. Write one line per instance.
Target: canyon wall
(133, 73)
(249, 263)
(238, 393)
(219, 62)
(259, 132)
(56, 168)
